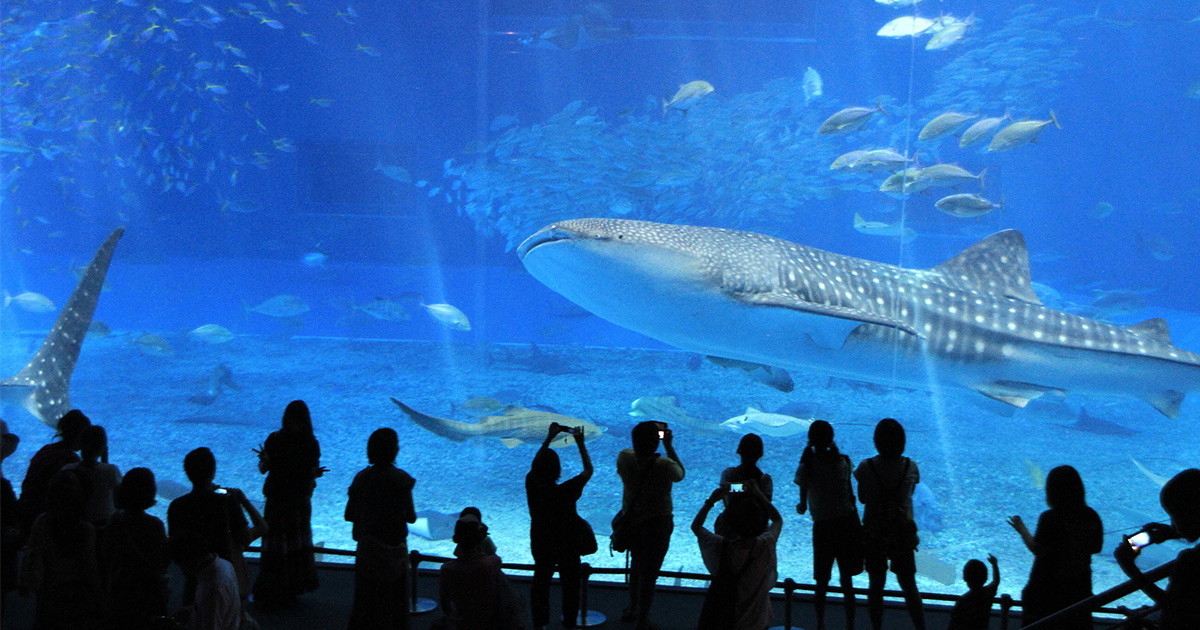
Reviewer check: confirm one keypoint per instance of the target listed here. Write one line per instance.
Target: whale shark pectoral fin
(1015, 393)
(1167, 402)
(837, 322)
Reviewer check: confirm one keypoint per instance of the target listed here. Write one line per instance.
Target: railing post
(417, 605)
(587, 618)
(789, 588)
(1006, 602)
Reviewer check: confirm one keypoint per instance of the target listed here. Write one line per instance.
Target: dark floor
(674, 608)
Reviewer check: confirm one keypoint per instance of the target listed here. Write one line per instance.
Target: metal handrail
(1094, 603)
(1111, 595)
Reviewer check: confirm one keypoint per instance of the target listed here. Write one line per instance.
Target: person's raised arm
(1126, 557)
(588, 469)
(668, 442)
(264, 462)
(702, 516)
(995, 584)
(757, 494)
(258, 525)
(1019, 524)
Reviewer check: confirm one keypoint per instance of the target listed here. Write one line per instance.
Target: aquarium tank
(981, 219)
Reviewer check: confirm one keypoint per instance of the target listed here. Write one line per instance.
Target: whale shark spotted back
(43, 385)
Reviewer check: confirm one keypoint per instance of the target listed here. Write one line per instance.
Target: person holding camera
(1180, 602)
(558, 536)
(649, 514)
(217, 514)
(743, 562)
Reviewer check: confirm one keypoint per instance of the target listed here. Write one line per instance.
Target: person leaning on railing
(1180, 602)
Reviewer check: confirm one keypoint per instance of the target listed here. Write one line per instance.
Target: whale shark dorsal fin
(997, 265)
(1155, 328)
(43, 385)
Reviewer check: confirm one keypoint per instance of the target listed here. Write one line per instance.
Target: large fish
(43, 385)
(973, 321)
(515, 426)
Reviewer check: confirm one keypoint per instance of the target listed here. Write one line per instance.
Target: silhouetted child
(472, 512)
(973, 610)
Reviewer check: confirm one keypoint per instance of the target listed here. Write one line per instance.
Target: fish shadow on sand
(1088, 423)
(535, 361)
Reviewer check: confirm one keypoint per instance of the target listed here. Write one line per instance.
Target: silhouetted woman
(750, 450)
(135, 555)
(557, 534)
(885, 487)
(1067, 536)
(381, 507)
(60, 561)
(291, 459)
(825, 492)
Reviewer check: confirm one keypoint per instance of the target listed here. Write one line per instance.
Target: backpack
(888, 524)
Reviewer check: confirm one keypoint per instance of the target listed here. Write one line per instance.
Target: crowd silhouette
(80, 540)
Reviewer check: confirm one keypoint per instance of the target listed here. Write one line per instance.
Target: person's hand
(750, 487)
(1018, 524)
(718, 494)
(992, 559)
(319, 471)
(667, 439)
(554, 428)
(235, 494)
(800, 508)
(1126, 556)
(578, 433)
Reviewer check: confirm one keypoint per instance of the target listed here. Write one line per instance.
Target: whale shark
(43, 385)
(972, 322)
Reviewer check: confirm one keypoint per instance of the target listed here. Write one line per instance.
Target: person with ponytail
(827, 496)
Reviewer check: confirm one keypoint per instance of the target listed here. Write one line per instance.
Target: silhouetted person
(1067, 536)
(488, 546)
(12, 536)
(750, 450)
(827, 495)
(381, 507)
(743, 564)
(885, 487)
(100, 478)
(973, 611)
(217, 514)
(217, 604)
(558, 535)
(47, 462)
(291, 459)
(60, 563)
(646, 479)
(472, 590)
(135, 555)
(1180, 602)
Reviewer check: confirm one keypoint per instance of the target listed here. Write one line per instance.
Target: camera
(736, 487)
(1139, 540)
(1152, 534)
(662, 430)
(220, 490)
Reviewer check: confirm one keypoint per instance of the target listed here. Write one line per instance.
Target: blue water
(225, 180)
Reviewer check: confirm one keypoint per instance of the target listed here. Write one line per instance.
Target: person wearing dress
(291, 459)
